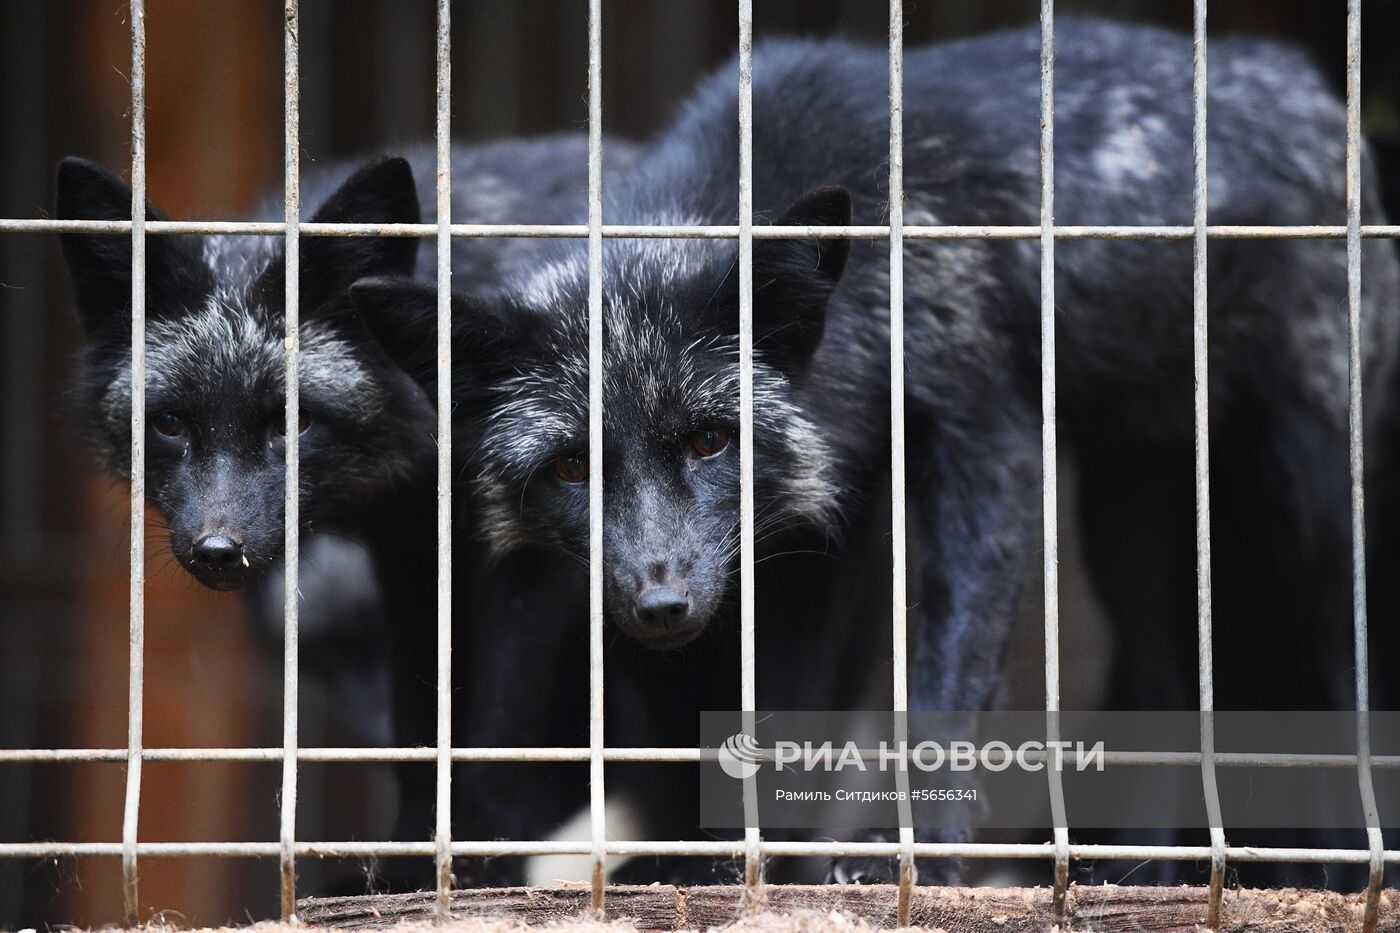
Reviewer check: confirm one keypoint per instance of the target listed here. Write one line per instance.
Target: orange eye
(279, 426)
(572, 469)
(709, 442)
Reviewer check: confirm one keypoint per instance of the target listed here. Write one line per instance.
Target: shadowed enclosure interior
(753, 848)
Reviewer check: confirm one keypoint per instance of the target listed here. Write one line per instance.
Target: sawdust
(799, 921)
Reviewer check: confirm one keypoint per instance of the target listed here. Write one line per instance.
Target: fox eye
(572, 469)
(278, 427)
(709, 442)
(169, 425)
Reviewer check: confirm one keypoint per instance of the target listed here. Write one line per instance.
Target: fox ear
(100, 263)
(793, 279)
(401, 315)
(381, 192)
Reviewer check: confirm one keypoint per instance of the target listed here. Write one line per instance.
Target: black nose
(219, 553)
(661, 607)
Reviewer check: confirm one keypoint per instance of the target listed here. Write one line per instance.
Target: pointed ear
(100, 263)
(401, 315)
(381, 192)
(794, 279)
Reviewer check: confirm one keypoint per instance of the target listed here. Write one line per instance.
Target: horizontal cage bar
(707, 847)
(639, 754)
(712, 232)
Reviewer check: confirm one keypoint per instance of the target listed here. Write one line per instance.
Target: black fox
(821, 385)
(215, 346)
(215, 397)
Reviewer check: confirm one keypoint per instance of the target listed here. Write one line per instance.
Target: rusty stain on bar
(131, 810)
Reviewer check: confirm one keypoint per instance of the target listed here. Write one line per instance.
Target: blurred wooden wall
(213, 109)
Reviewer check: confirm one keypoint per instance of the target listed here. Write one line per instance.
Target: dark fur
(215, 361)
(1278, 353)
(214, 335)
(214, 357)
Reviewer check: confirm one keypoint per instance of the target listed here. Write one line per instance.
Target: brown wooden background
(214, 128)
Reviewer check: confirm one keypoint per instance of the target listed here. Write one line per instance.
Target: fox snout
(659, 607)
(225, 525)
(218, 560)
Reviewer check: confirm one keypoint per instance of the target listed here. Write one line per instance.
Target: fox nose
(661, 607)
(218, 553)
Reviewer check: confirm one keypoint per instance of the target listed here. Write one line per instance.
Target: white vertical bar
(898, 542)
(1049, 466)
(598, 821)
(292, 527)
(1200, 360)
(137, 657)
(1355, 427)
(753, 854)
(443, 829)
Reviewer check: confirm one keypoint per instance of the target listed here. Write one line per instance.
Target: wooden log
(1103, 909)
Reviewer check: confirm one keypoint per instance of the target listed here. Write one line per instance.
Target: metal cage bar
(713, 231)
(671, 755)
(752, 848)
(442, 831)
(899, 557)
(292, 508)
(597, 811)
(131, 808)
(753, 853)
(719, 848)
(1048, 453)
(1200, 354)
(1355, 432)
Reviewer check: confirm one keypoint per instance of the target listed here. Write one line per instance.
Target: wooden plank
(956, 910)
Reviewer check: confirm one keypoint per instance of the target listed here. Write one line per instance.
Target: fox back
(821, 307)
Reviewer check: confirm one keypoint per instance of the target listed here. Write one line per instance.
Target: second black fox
(821, 383)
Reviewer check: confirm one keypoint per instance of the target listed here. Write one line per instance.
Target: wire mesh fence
(753, 848)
